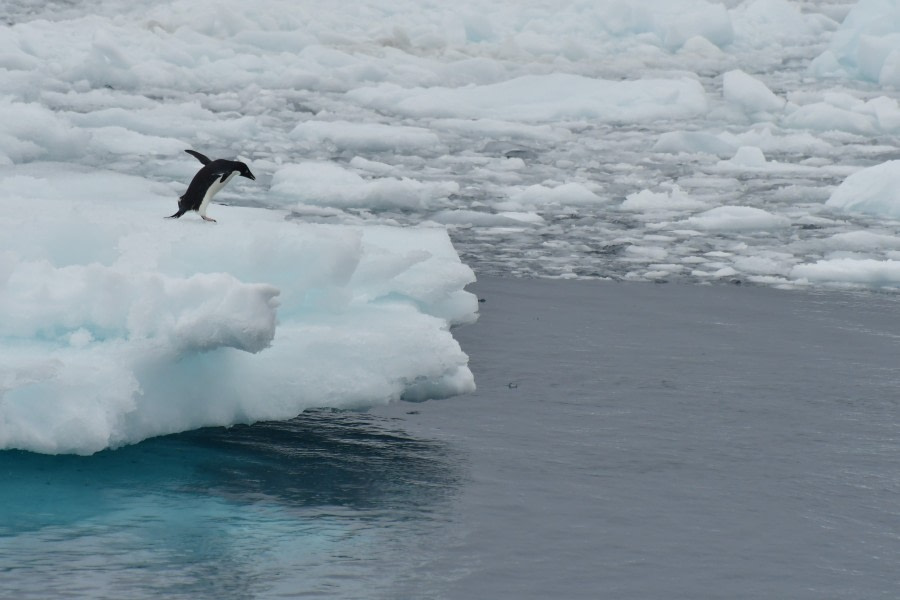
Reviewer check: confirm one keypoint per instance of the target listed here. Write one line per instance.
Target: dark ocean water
(626, 441)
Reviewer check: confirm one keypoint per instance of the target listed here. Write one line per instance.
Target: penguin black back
(211, 178)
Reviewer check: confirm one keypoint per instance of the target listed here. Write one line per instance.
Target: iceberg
(119, 325)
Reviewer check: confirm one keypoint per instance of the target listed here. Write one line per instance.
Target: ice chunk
(751, 94)
(872, 190)
(748, 156)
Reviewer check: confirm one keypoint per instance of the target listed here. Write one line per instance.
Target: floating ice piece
(700, 47)
(751, 94)
(872, 190)
(748, 156)
(736, 218)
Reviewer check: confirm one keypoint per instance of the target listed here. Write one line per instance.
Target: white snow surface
(393, 144)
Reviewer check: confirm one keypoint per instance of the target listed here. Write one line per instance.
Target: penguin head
(244, 171)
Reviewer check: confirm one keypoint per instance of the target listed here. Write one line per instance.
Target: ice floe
(120, 325)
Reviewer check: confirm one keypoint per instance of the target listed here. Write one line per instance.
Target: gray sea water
(627, 440)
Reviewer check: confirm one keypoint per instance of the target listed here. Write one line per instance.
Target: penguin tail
(203, 159)
(181, 209)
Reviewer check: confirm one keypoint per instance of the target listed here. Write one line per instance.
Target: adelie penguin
(211, 178)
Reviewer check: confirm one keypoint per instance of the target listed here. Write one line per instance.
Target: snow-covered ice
(119, 325)
(395, 143)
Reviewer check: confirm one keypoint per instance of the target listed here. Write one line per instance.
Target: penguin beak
(248, 175)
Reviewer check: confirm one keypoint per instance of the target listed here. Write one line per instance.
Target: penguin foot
(205, 218)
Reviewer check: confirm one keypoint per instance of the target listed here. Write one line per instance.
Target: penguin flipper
(199, 157)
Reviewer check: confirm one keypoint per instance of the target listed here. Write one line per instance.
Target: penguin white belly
(217, 185)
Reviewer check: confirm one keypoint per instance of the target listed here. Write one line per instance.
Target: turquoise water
(305, 507)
